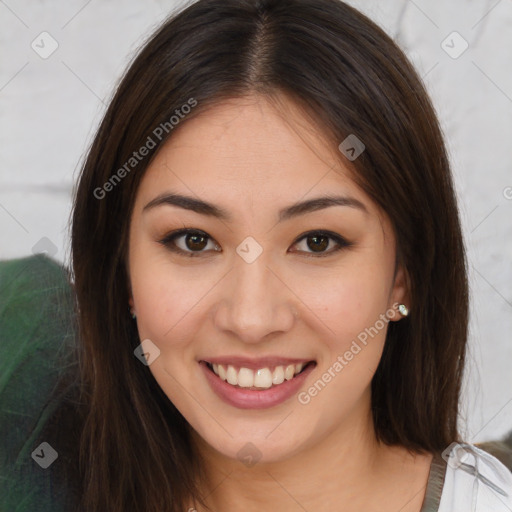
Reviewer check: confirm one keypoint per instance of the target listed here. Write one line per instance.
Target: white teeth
(262, 378)
(245, 378)
(231, 375)
(221, 371)
(289, 372)
(278, 375)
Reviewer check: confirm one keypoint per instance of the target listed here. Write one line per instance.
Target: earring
(402, 308)
(132, 312)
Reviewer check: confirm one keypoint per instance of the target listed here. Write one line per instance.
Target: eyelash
(169, 242)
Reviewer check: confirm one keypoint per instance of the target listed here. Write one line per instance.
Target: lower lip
(244, 398)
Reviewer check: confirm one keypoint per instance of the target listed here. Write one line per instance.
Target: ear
(400, 292)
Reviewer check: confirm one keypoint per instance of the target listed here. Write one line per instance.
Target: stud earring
(402, 308)
(132, 312)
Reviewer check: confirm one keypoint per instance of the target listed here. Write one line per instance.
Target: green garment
(36, 348)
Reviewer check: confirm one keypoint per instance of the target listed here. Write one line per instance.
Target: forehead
(245, 150)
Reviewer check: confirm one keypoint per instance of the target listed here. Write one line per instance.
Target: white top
(467, 479)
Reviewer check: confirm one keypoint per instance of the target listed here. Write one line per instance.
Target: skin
(251, 159)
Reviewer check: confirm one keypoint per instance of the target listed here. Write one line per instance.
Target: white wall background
(50, 108)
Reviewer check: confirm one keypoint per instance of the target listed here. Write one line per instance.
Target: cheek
(353, 314)
(165, 303)
(347, 301)
(351, 305)
(167, 308)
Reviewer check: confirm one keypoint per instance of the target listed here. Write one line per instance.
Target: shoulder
(475, 481)
(35, 299)
(37, 342)
(36, 331)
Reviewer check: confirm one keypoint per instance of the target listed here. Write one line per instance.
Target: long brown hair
(350, 78)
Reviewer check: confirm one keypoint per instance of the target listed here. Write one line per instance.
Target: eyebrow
(209, 209)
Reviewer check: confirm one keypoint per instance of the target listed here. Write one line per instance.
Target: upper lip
(255, 364)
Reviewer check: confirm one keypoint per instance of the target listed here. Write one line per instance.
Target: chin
(256, 449)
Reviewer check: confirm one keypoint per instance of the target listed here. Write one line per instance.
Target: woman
(270, 276)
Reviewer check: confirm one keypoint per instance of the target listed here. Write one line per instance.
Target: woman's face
(261, 284)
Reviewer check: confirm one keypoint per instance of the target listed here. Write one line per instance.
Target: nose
(255, 302)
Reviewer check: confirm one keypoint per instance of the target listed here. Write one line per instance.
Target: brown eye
(317, 242)
(195, 242)
(188, 241)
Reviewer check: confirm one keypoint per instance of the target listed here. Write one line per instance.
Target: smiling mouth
(262, 378)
